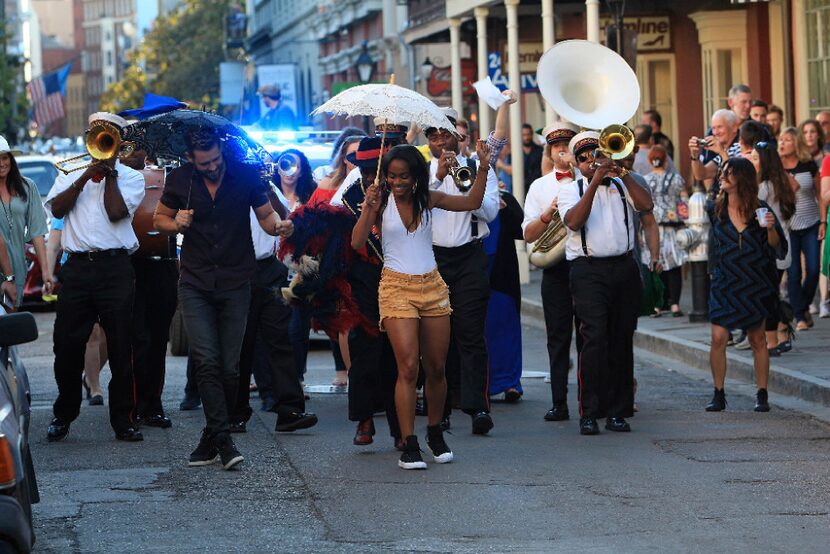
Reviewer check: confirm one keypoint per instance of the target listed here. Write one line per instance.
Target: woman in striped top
(806, 233)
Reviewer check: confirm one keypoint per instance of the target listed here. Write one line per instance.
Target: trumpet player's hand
(96, 172)
(483, 152)
(184, 219)
(444, 164)
(372, 201)
(605, 168)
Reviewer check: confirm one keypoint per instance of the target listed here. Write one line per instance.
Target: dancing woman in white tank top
(414, 300)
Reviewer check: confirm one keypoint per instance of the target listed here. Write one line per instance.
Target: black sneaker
(205, 454)
(482, 423)
(762, 401)
(438, 446)
(228, 453)
(718, 403)
(411, 457)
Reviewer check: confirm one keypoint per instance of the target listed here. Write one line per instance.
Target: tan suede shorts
(412, 296)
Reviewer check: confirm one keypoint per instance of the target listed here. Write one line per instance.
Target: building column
(481, 45)
(592, 20)
(455, 57)
(516, 153)
(547, 43)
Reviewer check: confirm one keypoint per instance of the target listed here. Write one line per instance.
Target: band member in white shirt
(598, 210)
(269, 317)
(98, 283)
(540, 204)
(462, 263)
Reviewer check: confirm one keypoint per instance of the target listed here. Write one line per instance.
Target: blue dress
(744, 288)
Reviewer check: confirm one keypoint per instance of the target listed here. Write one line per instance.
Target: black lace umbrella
(163, 136)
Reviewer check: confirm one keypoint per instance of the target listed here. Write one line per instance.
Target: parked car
(18, 484)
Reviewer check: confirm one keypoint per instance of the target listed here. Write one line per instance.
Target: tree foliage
(179, 57)
(13, 117)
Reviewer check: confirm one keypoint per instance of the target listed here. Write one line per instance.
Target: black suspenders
(580, 185)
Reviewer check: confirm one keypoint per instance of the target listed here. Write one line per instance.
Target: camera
(702, 143)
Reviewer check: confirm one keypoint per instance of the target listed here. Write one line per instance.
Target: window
(657, 85)
(109, 58)
(817, 19)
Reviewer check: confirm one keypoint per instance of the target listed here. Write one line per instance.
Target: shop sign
(499, 75)
(653, 31)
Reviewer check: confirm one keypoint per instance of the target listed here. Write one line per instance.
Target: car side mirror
(17, 329)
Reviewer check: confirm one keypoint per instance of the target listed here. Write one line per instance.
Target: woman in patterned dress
(744, 289)
(668, 190)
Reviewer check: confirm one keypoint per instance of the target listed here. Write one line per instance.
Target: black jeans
(155, 303)
(374, 372)
(269, 318)
(215, 323)
(464, 269)
(557, 303)
(606, 293)
(95, 290)
(673, 285)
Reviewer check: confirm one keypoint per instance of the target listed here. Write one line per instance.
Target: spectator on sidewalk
(758, 110)
(775, 120)
(653, 119)
(532, 153)
(813, 139)
(710, 152)
(744, 291)
(645, 142)
(806, 230)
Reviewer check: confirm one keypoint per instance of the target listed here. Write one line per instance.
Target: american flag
(46, 93)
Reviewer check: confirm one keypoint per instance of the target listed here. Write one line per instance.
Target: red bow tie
(562, 175)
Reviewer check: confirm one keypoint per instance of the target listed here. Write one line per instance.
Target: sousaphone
(594, 87)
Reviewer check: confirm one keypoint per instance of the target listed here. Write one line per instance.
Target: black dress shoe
(718, 403)
(158, 420)
(588, 426)
(617, 424)
(762, 401)
(238, 427)
(129, 434)
(482, 423)
(57, 430)
(295, 421)
(558, 413)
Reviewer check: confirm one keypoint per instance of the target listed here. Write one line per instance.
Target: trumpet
(288, 165)
(616, 141)
(461, 175)
(103, 142)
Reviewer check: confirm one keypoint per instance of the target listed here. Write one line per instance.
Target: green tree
(14, 106)
(179, 57)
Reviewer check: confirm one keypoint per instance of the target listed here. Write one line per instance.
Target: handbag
(653, 290)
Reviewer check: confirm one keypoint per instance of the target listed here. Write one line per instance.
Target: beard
(213, 176)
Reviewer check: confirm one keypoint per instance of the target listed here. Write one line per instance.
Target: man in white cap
(598, 210)
(540, 205)
(98, 283)
(462, 262)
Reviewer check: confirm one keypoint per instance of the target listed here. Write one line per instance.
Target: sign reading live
(499, 75)
(653, 32)
(440, 80)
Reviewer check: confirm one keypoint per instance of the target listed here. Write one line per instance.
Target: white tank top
(405, 252)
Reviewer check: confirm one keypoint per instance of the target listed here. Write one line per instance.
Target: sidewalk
(803, 373)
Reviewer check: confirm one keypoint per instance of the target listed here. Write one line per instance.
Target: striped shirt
(806, 205)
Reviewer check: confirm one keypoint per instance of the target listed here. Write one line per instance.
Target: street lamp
(364, 64)
(426, 69)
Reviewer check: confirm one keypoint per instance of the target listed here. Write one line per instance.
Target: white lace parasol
(396, 104)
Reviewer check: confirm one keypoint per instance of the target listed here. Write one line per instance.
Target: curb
(781, 380)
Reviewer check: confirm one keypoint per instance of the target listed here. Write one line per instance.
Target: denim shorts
(412, 296)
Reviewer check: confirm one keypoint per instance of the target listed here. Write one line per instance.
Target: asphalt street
(683, 481)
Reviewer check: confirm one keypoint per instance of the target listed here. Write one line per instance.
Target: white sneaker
(813, 309)
(824, 309)
(743, 345)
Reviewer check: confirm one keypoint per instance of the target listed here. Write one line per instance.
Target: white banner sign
(282, 75)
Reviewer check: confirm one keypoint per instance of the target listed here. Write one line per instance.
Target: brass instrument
(288, 165)
(103, 142)
(461, 175)
(616, 141)
(549, 250)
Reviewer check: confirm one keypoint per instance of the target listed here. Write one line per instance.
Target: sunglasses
(582, 158)
(763, 145)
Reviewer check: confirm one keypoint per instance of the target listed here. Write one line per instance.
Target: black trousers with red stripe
(606, 293)
(155, 303)
(464, 269)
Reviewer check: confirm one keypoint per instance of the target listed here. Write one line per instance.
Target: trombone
(103, 142)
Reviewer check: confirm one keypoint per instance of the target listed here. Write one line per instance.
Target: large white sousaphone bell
(594, 87)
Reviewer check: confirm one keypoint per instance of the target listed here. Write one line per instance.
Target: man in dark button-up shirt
(209, 202)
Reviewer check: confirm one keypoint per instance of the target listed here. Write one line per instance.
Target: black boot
(762, 401)
(718, 403)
